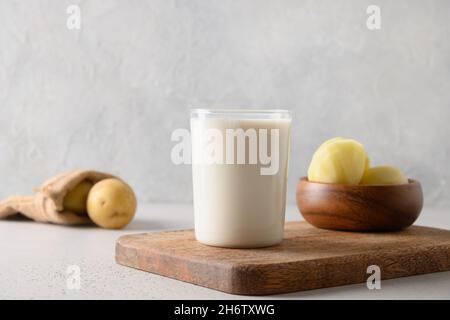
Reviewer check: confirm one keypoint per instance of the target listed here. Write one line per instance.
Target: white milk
(234, 204)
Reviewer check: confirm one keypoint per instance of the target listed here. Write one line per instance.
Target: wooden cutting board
(308, 258)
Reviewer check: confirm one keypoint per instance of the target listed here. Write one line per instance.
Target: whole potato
(76, 199)
(111, 204)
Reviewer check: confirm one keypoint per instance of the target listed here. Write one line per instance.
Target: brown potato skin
(76, 199)
(111, 204)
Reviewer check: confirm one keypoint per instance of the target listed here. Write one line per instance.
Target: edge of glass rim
(202, 113)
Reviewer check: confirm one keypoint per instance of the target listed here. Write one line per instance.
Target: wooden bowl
(359, 208)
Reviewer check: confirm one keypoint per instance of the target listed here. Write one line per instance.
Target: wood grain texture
(359, 208)
(308, 258)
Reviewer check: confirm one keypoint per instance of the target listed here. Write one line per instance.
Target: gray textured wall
(109, 95)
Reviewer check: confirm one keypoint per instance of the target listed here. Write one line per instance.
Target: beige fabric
(47, 203)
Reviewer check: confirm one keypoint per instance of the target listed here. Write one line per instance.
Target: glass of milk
(239, 165)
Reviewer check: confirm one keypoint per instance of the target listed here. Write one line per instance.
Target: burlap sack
(46, 205)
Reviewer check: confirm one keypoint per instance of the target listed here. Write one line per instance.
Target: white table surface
(35, 257)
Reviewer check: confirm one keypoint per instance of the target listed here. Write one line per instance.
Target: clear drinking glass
(239, 165)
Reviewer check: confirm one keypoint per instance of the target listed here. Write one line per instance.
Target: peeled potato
(331, 141)
(367, 164)
(76, 199)
(338, 160)
(383, 175)
(111, 204)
